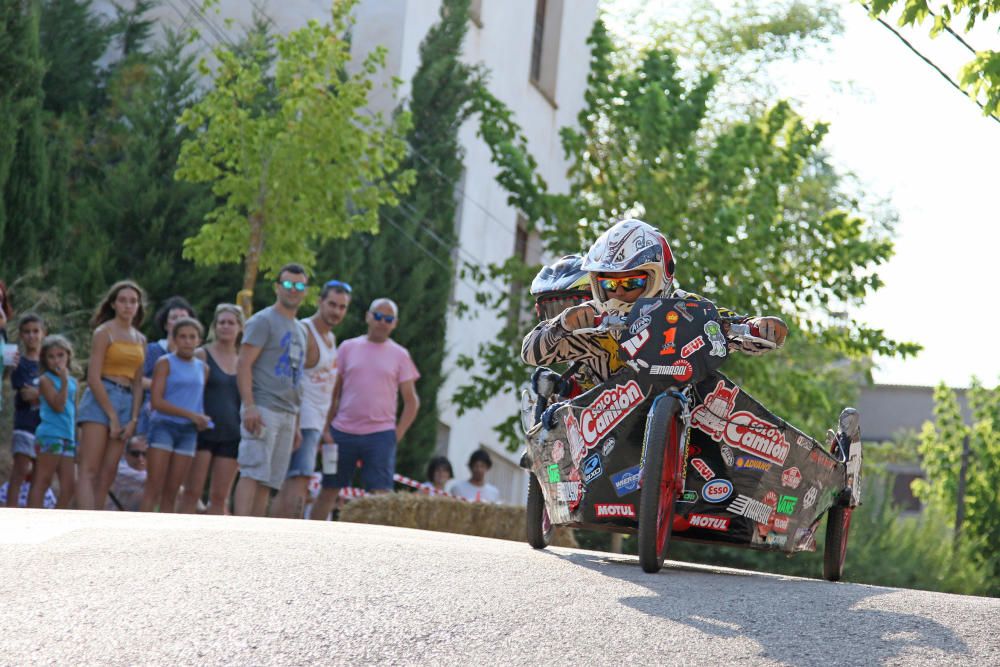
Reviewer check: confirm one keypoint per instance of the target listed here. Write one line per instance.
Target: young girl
(172, 310)
(111, 401)
(219, 446)
(56, 434)
(24, 382)
(178, 414)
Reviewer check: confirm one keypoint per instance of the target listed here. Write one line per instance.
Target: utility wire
(947, 28)
(931, 63)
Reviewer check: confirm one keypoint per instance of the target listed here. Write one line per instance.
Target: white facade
(543, 100)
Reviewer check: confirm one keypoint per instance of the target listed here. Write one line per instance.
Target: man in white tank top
(318, 380)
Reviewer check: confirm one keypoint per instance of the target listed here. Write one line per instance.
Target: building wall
(888, 410)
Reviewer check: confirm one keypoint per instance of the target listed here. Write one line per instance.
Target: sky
(911, 138)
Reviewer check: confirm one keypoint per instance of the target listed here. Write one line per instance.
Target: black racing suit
(550, 343)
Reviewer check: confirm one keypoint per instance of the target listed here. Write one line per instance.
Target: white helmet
(630, 245)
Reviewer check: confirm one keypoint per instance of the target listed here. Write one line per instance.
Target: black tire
(537, 519)
(659, 490)
(838, 524)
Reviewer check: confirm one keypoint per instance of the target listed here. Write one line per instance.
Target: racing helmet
(630, 245)
(559, 286)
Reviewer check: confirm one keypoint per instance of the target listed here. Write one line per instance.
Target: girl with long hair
(219, 446)
(110, 406)
(56, 434)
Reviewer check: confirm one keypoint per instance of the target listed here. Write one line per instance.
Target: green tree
(751, 207)
(17, 70)
(306, 167)
(130, 216)
(941, 451)
(73, 39)
(23, 224)
(443, 89)
(980, 77)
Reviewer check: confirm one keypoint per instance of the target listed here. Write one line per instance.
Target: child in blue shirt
(56, 434)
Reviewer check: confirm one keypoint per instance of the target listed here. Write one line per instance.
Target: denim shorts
(375, 451)
(56, 446)
(121, 400)
(173, 436)
(24, 443)
(303, 463)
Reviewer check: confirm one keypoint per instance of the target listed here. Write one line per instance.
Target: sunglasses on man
(339, 284)
(138, 453)
(379, 317)
(294, 285)
(629, 283)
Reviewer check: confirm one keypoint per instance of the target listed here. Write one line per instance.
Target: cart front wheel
(838, 522)
(659, 483)
(539, 526)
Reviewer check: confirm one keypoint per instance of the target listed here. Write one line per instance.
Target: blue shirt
(185, 387)
(58, 424)
(26, 415)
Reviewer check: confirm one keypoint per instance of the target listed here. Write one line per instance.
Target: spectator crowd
(233, 420)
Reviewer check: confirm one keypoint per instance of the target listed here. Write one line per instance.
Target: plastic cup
(9, 354)
(329, 455)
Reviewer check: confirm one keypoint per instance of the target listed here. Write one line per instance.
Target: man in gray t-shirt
(269, 374)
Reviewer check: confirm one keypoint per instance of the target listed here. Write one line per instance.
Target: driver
(630, 261)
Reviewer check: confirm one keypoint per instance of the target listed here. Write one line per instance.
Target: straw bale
(449, 515)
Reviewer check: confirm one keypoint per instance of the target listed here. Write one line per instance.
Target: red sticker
(791, 478)
(672, 317)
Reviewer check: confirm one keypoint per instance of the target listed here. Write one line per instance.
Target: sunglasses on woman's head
(297, 286)
(340, 284)
(627, 282)
(389, 319)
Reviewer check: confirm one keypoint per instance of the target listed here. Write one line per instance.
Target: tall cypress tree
(392, 263)
(25, 193)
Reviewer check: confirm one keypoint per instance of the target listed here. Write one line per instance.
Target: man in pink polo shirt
(374, 371)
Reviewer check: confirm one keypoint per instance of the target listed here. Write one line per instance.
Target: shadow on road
(793, 620)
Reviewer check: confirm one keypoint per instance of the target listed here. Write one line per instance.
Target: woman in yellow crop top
(110, 405)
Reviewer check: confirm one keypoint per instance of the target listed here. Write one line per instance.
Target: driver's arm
(553, 341)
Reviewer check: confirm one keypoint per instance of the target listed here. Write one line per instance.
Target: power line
(947, 28)
(931, 64)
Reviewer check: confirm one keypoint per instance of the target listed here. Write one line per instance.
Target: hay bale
(448, 515)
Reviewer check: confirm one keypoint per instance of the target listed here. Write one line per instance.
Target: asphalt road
(111, 588)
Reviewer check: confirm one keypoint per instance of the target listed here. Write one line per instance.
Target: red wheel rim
(666, 505)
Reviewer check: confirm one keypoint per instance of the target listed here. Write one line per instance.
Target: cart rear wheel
(539, 526)
(838, 522)
(659, 483)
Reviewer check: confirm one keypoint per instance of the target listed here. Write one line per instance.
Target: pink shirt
(371, 374)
